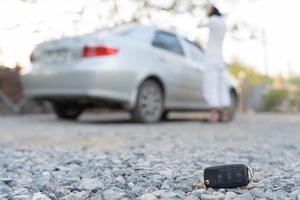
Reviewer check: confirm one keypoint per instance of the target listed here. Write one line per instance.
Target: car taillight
(98, 51)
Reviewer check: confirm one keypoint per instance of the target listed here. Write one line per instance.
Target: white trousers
(215, 87)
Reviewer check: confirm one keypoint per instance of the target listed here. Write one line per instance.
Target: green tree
(295, 81)
(273, 100)
(238, 69)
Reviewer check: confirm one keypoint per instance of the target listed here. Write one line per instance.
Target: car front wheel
(149, 104)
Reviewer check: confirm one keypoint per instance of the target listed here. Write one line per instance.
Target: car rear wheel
(67, 110)
(233, 107)
(149, 104)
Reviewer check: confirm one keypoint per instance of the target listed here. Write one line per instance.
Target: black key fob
(227, 176)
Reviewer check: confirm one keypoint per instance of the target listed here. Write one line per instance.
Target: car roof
(141, 27)
(145, 30)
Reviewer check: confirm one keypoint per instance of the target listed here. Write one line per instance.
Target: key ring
(250, 173)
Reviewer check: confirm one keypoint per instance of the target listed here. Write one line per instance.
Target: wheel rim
(150, 103)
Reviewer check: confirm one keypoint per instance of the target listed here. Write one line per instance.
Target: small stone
(8, 181)
(120, 182)
(173, 195)
(138, 190)
(63, 168)
(295, 195)
(97, 196)
(230, 195)
(185, 187)
(210, 190)
(52, 196)
(21, 194)
(39, 196)
(71, 184)
(167, 185)
(82, 195)
(61, 192)
(249, 187)
(257, 192)
(70, 197)
(199, 185)
(168, 173)
(46, 174)
(222, 191)
(213, 196)
(258, 176)
(44, 184)
(157, 193)
(270, 194)
(245, 196)
(148, 196)
(113, 194)
(74, 161)
(198, 192)
(192, 197)
(91, 184)
(5, 191)
(150, 189)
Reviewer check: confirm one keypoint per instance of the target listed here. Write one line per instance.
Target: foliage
(274, 99)
(144, 10)
(253, 77)
(295, 81)
(296, 101)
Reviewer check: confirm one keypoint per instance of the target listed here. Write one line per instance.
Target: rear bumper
(114, 85)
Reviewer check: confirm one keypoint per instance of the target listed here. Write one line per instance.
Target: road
(164, 159)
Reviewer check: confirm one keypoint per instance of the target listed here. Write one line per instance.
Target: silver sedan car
(146, 70)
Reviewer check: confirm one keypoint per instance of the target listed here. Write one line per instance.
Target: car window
(195, 51)
(196, 45)
(167, 41)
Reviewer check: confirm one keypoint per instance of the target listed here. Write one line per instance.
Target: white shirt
(217, 30)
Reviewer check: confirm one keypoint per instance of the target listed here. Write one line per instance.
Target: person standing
(216, 90)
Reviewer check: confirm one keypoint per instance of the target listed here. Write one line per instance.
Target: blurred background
(261, 46)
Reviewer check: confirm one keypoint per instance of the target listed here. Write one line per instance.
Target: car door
(194, 72)
(172, 58)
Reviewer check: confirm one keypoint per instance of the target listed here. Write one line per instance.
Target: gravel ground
(110, 158)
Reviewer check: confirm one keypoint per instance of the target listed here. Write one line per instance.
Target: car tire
(165, 116)
(67, 110)
(149, 104)
(233, 107)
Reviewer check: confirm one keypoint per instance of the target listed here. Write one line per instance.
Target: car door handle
(162, 59)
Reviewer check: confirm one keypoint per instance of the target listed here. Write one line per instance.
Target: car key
(227, 176)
